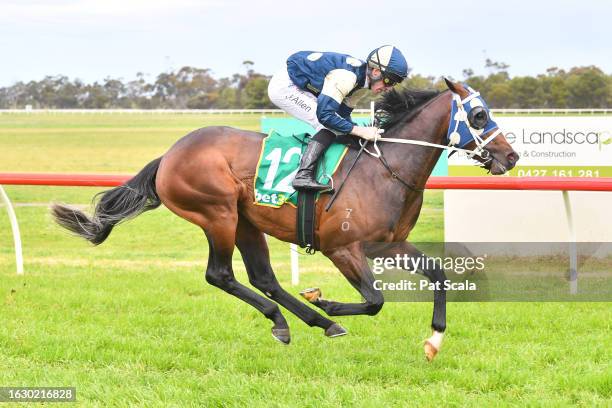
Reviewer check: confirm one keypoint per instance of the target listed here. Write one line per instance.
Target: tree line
(196, 88)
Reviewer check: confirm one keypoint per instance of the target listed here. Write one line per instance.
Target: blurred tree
(115, 92)
(417, 81)
(468, 73)
(477, 82)
(554, 88)
(587, 87)
(139, 92)
(248, 65)
(227, 98)
(95, 97)
(499, 95)
(203, 101)
(197, 87)
(495, 66)
(256, 93)
(609, 91)
(192, 87)
(526, 92)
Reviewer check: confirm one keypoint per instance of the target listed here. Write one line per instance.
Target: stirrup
(310, 184)
(324, 189)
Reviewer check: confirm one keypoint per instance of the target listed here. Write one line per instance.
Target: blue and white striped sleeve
(338, 83)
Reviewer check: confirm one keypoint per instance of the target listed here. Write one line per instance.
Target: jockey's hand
(369, 133)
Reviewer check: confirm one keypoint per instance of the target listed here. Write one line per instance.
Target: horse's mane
(400, 106)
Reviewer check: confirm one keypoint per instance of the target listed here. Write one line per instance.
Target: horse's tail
(127, 201)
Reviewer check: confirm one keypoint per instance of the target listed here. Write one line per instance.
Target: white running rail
(15, 228)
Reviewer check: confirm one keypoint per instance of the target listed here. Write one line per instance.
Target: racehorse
(207, 178)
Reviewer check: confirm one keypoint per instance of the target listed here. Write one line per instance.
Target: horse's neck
(415, 163)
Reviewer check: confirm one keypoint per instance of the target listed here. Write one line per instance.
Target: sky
(95, 39)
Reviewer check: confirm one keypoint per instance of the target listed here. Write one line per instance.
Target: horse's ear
(450, 84)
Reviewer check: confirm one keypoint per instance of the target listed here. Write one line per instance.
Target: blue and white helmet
(391, 63)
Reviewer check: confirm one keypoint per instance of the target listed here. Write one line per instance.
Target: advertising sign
(552, 146)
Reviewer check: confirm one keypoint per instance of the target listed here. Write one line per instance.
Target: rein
(454, 138)
(394, 175)
(460, 116)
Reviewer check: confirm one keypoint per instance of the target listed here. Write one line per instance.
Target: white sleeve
(338, 83)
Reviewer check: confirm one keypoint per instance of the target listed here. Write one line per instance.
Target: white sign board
(557, 146)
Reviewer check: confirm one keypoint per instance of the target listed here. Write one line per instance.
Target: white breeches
(298, 103)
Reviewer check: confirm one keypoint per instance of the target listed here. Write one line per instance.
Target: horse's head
(472, 126)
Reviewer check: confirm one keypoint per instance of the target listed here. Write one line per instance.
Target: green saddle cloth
(278, 163)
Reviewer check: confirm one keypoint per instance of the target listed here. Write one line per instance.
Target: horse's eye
(478, 117)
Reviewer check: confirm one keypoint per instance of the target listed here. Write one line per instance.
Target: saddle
(279, 160)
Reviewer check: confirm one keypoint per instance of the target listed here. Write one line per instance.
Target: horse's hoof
(311, 294)
(282, 335)
(433, 344)
(430, 351)
(335, 330)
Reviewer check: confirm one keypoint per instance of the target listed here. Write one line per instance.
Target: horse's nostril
(512, 157)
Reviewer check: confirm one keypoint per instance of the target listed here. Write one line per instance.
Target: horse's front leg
(352, 262)
(435, 275)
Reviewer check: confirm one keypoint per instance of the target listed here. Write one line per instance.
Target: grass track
(133, 322)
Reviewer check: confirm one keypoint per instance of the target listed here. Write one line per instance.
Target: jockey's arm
(345, 111)
(331, 111)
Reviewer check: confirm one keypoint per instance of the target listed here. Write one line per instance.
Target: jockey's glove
(369, 133)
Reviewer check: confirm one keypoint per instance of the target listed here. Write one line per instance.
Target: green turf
(132, 322)
(98, 143)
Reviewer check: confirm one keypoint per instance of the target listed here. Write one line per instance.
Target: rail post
(573, 255)
(295, 266)
(15, 228)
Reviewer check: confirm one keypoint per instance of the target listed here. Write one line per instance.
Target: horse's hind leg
(255, 254)
(219, 273)
(351, 261)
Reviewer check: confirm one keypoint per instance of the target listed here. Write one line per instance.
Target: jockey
(316, 87)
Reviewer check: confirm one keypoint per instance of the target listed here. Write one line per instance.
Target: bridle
(454, 138)
(462, 115)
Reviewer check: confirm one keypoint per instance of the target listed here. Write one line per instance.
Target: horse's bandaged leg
(433, 345)
(436, 340)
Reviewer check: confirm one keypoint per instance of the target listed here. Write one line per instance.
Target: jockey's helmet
(391, 62)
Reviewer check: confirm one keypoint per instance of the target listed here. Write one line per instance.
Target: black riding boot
(305, 177)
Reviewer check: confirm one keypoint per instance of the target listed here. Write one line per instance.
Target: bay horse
(207, 178)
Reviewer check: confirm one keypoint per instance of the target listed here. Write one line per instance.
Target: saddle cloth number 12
(284, 185)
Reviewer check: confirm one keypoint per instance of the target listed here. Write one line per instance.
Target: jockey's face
(377, 84)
